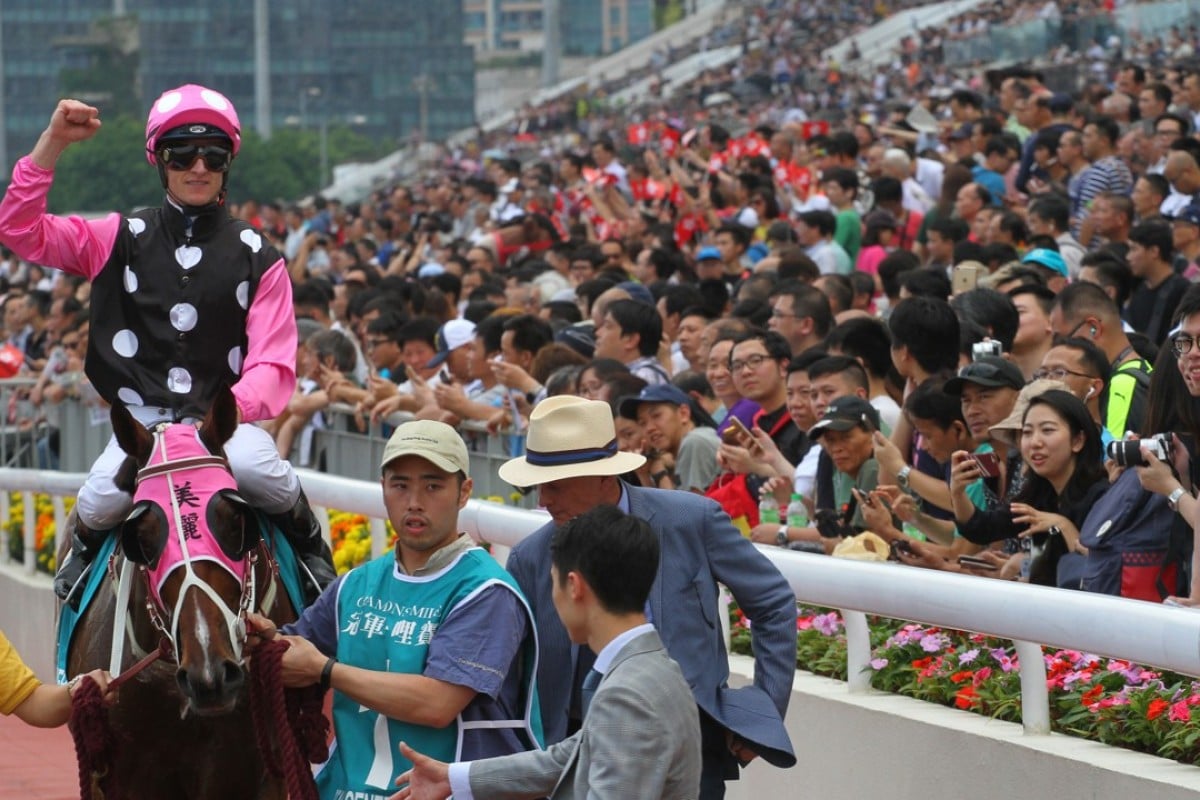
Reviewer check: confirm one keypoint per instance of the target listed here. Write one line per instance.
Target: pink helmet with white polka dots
(205, 111)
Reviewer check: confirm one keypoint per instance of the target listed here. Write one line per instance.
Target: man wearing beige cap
(432, 644)
(571, 456)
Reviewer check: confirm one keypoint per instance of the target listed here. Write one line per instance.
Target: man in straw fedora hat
(571, 456)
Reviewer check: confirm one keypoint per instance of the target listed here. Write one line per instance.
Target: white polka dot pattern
(136, 226)
(213, 99)
(251, 240)
(129, 397)
(125, 342)
(187, 256)
(235, 360)
(179, 380)
(168, 101)
(243, 295)
(183, 316)
(131, 280)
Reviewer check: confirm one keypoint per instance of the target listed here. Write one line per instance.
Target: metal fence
(69, 436)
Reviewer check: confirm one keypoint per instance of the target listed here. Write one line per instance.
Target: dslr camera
(990, 347)
(1128, 452)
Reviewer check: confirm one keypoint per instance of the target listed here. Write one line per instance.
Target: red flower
(922, 663)
(965, 697)
(959, 677)
(1156, 708)
(1091, 695)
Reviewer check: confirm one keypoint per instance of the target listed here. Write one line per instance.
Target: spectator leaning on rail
(224, 318)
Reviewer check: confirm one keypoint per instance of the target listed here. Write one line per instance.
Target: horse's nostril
(234, 676)
(181, 678)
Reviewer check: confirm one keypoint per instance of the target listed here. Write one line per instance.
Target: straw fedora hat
(569, 437)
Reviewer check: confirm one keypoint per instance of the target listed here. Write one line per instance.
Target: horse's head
(192, 532)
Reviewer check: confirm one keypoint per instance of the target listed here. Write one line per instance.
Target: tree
(107, 172)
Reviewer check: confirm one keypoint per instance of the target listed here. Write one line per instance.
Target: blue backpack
(1131, 552)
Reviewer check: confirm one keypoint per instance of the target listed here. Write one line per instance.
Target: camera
(1128, 452)
(829, 524)
(990, 347)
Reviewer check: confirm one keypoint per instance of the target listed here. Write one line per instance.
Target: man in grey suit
(641, 734)
(571, 455)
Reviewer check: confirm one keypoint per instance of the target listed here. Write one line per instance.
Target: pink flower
(1180, 712)
(931, 643)
(827, 624)
(982, 675)
(878, 663)
(968, 656)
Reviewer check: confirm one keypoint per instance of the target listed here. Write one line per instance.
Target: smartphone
(737, 433)
(965, 277)
(988, 463)
(975, 562)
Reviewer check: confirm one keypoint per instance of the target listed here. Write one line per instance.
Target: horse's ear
(126, 477)
(221, 421)
(144, 534)
(131, 435)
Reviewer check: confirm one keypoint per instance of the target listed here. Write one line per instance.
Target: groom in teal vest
(433, 643)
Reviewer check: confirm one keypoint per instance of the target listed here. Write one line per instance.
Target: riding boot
(85, 544)
(303, 530)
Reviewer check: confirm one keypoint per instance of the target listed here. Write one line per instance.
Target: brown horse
(197, 565)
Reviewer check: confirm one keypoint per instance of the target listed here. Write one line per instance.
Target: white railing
(1031, 616)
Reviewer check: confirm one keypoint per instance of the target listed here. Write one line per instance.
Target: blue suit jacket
(699, 547)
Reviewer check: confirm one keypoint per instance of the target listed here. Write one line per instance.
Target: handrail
(1031, 616)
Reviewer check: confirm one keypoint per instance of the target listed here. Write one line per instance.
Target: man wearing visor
(185, 300)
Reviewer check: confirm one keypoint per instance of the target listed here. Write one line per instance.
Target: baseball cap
(1047, 258)
(846, 413)
(429, 269)
(579, 338)
(451, 336)
(637, 292)
(991, 371)
(1061, 103)
(433, 441)
(1189, 213)
(707, 253)
(659, 393)
(962, 132)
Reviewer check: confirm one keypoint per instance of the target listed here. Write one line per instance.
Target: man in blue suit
(571, 456)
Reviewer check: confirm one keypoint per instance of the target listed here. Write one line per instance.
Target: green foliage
(666, 13)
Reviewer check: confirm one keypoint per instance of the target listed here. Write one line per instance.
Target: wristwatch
(1054, 530)
(902, 477)
(1174, 497)
(781, 538)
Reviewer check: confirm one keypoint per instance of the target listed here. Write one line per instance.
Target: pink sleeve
(72, 244)
(869, 258)
(269, 371)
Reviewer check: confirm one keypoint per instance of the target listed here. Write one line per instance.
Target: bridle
(156, 609)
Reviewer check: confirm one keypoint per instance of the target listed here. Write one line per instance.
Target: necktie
(587, 690)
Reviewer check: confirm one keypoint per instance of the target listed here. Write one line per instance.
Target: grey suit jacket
(640, 739)
(699, 547)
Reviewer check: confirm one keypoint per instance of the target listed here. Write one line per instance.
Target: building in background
(390, 68)
(589, 27)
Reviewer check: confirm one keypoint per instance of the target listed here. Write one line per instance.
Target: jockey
(185, 300)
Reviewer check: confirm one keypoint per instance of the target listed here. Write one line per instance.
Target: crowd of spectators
(926, 303)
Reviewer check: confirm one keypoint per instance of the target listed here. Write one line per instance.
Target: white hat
(454, 334)
(436, 442)
(569, 437)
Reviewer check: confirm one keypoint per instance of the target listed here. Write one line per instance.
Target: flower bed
(350, 539)
(1102, 699)
(44, 531)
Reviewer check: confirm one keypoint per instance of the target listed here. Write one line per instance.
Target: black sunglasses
(182, 157)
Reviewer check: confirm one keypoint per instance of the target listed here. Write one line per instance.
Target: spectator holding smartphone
(1060, 447)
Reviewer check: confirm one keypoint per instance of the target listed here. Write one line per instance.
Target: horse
(191, 546)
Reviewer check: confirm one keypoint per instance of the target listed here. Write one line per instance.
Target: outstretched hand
(427, 780)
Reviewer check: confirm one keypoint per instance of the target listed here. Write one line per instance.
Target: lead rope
(296, 717)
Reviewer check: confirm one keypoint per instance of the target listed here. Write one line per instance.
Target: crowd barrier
(1145, 633)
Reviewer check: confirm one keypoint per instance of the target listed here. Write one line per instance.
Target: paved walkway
(35, 762)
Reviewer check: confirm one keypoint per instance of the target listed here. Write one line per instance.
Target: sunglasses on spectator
(182, 157)
(377, 342)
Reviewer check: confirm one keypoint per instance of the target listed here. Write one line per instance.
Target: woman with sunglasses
(185, 300)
